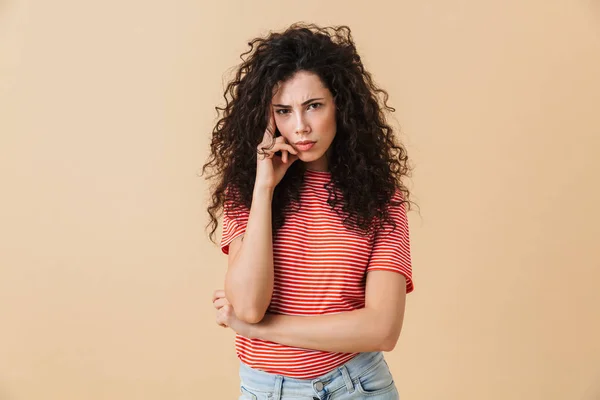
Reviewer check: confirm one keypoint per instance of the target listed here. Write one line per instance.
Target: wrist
(262, 190)
(256, 331)
(252, 331)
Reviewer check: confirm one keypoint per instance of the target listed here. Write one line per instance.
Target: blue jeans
(366, 376)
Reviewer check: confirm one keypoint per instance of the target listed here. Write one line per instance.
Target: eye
(282, 111)
(316, 105)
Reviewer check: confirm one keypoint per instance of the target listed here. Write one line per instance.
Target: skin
(376, 327)
(302, 109)
(305, 110)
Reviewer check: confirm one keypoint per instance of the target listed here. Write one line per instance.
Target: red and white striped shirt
(320, 268)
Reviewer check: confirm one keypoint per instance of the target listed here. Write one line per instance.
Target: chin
(309, 157)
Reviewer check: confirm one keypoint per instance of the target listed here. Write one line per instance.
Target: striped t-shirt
(320, 268)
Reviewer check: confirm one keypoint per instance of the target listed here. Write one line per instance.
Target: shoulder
(399, 201)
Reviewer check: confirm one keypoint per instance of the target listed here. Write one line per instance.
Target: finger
(283, 146)
(221, 324)
(268, 139)
(266, 146)
(267, 153)
(217, 294)
(221, 318)
(285, 154)
(263, 155)
(271, 123)
(225, 314)
(220, 303)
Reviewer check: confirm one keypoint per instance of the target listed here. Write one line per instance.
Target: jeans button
(319, 386)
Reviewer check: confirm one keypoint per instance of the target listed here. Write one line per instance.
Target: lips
(304, 145)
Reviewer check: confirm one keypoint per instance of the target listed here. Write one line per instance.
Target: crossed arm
(376, 327)
(249, 281)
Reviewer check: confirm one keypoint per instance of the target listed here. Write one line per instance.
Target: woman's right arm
(249, 277)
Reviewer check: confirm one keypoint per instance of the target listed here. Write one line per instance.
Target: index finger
(218, 294)
(271, 123)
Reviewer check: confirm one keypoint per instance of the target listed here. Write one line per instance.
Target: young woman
(309, 177)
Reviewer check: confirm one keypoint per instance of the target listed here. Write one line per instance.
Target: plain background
(106, 273)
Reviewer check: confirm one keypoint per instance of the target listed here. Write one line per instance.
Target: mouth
(305, 145)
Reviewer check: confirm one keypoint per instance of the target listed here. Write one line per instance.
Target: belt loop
(278, 387)
(347, 379)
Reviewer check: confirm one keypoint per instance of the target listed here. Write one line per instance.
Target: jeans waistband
(350, 370)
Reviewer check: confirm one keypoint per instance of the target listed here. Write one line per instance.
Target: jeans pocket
(376, 380)
(247, 395)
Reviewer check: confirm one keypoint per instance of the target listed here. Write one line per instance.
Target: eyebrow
(305, 103)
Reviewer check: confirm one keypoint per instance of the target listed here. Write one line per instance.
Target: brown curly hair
(367, 165)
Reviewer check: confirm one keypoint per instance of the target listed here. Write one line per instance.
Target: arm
(249, 277)
(376, 327)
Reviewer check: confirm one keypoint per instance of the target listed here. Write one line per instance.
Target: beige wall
(106, 273)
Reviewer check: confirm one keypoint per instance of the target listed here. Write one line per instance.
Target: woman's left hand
(225, 315)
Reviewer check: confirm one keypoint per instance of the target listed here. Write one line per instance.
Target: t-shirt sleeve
(235, 220)
(391, 247)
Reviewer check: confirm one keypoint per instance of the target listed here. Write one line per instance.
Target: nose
(301, 125)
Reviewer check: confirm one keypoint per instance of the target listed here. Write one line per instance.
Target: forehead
(300, 87)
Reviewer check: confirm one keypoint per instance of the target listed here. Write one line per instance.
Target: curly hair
(366, 163)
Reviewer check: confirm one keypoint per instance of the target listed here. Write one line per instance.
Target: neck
(320, 165)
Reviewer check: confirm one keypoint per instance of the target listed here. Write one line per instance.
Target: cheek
(326, 124)
(284, 129)
(283, 125)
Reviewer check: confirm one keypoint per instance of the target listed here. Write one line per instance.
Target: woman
(308, 175)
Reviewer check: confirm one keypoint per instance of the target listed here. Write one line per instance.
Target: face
(305, 116)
